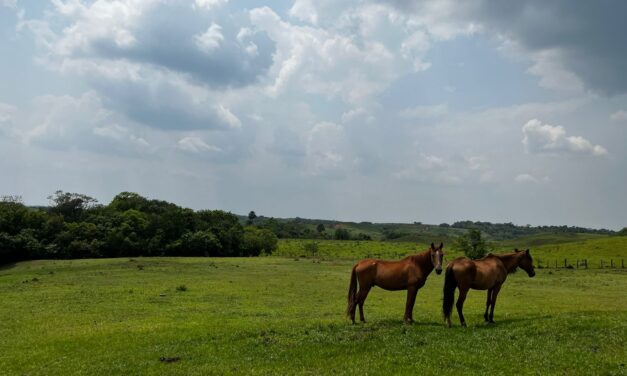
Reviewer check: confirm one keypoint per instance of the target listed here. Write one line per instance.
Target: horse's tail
(352, 292)
(450, 283)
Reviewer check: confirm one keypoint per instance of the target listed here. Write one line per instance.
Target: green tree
(71, 205)
(320, 228)
(251, 217)
(472, 244)
(341, 234)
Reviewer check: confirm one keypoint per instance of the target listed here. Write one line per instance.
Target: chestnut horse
(488, 273)
(408, 274)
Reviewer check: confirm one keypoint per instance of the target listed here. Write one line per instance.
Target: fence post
(565, 263)
(586, 260)
(612, 263)
(622, 263)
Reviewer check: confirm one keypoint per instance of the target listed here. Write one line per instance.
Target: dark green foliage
(131, 225)
(503, 231)
(341, 234)
(258, 240)
(622, 232)
(472, 244)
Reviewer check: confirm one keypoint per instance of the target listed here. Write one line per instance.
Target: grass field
(274, 315)
(591, 247)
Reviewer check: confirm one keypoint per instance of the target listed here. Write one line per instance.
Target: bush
(341, 234)
(257, 241)
(472, 244)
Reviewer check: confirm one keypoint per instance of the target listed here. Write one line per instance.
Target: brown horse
(408, 274)
(488, 273)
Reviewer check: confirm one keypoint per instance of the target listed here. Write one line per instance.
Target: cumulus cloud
(210, 39)
(158, 63)
(572, 43)
(73, 123)
(545, 138)
(210, 4)
(195, 145)
(352, 50)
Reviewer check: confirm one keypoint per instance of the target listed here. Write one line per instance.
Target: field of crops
(279, 315)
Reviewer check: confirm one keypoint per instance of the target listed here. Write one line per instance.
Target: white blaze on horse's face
(437, 255)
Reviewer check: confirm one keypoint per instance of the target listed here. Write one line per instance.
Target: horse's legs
(460, 305)
(409, 306)
(495, 292)
(487, 304)
(361, 298)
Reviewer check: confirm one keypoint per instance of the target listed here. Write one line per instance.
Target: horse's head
(525, 262)
(437, 255)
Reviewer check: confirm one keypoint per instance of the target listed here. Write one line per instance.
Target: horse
(408, 274)
(488, 273)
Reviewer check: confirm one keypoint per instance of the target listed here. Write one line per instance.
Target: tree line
(77, 226)
(510, 230)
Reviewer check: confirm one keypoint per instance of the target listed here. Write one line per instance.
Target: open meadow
(285, 315)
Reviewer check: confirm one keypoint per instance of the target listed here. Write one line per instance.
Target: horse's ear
(432, 246)
(527, 251)
(516, 250)
(441, 245)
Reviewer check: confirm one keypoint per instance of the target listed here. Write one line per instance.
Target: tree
(341, 234)
(320, 228)
(251, 217)
(472, 244)
(71, 205)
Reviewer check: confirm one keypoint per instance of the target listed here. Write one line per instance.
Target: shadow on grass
(7, 266)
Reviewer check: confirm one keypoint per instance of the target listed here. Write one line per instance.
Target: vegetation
(75, 226)
(271, 315)
(503, 231)
(472, 245)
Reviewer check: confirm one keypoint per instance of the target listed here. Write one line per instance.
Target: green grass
(274, 315)
(594, 248)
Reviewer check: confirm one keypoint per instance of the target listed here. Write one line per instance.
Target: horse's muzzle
(532, 274)
(438, 271)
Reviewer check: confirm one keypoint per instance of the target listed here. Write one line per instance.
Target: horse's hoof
(491, 322)
(464, 325)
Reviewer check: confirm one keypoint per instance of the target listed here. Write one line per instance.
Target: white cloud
(210, 39)
(210, 4)
(228, 117)
(619, 116)
(195, 145)
(121, 134)
(545, 138)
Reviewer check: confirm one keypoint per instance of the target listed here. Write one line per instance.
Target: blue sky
(431, 111)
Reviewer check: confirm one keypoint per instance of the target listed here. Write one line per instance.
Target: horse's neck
(424, 261)
(510, 260)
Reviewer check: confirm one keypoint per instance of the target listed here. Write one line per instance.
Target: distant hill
(303, 228)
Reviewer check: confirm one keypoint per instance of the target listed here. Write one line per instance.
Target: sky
(385, 111)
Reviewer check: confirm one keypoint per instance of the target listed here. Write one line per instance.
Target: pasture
(280, 315)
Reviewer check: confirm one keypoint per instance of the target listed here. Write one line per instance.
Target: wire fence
(579, 264)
